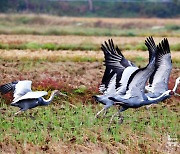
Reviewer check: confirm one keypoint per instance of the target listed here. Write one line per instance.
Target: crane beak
(176, 94)
(61, 94)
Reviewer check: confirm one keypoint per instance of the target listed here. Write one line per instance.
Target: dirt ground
(72, 73)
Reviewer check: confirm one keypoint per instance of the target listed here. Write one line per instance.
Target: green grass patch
(62, 122)
(84, 31)
(141, 46)
(50, 46)
(173, 27)
(83, 46)
(175, 47)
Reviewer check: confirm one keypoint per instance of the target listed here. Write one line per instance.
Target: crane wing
(111, 87)
(137, 81)
(30, 95)
(163, 66)
(150, 44)
(107, 77)
(113, 56)
(8, 87)
(21, 88)
(121, 88)
(115, 64)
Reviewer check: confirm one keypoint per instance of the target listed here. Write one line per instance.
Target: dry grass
(70, 39)
(138, 21)
(45, 55)
(55, 20)
(68, 55)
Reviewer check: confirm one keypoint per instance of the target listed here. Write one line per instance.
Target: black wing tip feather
(149, 42)
(112, 53)
(8, 87)
(119, 51)
(152, 48)
(109, 46)
(163, 47)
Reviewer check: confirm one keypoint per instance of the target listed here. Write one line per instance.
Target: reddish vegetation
(64, 76)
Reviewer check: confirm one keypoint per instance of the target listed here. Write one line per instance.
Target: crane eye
(171, 92)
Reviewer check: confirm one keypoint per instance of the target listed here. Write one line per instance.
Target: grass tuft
(82, 46)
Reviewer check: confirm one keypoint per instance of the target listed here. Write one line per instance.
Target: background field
(64, 53)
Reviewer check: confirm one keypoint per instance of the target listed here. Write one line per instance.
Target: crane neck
(155, 100)
(175, 86)
(48, 101)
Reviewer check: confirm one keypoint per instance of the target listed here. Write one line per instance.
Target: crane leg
(97, 115)
(104, 109)
(148, 106)
(17, 112)
(113, 116)
(119, 115)
(105, 112)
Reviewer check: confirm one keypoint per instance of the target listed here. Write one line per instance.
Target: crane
(24, 97)
(158, 81)
(135, 95)
(117, 72)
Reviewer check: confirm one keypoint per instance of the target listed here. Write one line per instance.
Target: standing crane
(24, 97)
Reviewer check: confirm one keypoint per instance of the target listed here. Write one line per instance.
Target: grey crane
(135, 95)
(24, 97)
(158, 81)
(117, 73)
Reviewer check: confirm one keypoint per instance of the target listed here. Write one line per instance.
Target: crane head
(171, 92)
(55, 92)
(58, 93)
